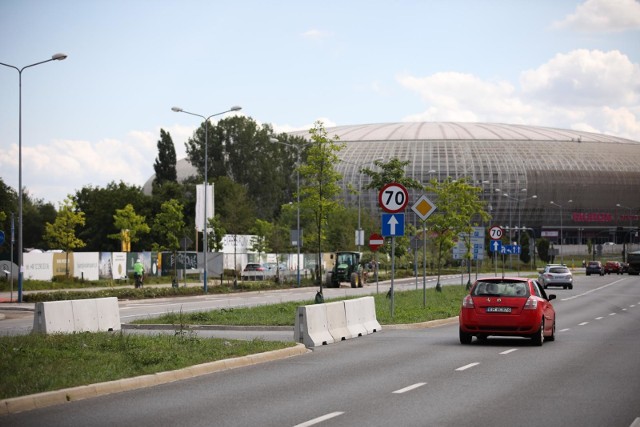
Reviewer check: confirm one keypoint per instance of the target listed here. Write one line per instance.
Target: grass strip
(37, 363)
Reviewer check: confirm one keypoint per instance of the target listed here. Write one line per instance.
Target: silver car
(556, 275)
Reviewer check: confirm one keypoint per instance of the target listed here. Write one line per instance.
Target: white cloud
(584, 77)
(584, 90)
(604, 15)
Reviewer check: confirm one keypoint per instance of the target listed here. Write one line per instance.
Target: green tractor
(345, 269)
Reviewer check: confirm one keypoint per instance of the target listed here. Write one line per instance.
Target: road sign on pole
(375, 241)
(423, 207)
(496, 232)
(393, 197)
(393, 224)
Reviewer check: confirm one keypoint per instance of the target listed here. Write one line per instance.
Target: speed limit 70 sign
(393, 197)
(496, 232)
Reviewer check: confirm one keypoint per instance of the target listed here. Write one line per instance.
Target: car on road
(612, 267)
(556, 275)
(507, 306)
(594, 267)
(253, 271)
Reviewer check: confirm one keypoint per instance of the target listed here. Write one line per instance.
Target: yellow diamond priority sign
(423, 207)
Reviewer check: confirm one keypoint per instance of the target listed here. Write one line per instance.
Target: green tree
(543, 246)
(214, 241)
(525, 253)
(320, 184)
(457, 202)
(99, 204)
(165, 164)
(261, 231)
(127, 219)
(391, 171)
(236, 210)
(168, 226)
(62, 233)
(241, 150)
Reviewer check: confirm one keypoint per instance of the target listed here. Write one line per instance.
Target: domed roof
(184, 171)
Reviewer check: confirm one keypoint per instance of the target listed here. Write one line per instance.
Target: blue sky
(96, 116)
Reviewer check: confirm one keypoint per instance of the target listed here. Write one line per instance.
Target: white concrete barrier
(370, 320)
(355, 312)
(311, 326)
(86, 315)
(322, 324)
(337, 321)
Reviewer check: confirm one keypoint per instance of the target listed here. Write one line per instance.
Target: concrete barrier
(311, 327)
(86, 315)
(355, 312)
(337, 321)
(322, 324)
(370, 320)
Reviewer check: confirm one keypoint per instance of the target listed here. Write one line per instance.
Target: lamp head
(236, 108)
(176, 109)
(59, 56)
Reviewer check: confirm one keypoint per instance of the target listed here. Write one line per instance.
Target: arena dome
(184, 171)
(592, 179)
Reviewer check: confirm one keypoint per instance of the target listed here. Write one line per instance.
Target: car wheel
(588, 274)
(538, 337)
(465, 338)
(564, 287)
(553, 333)
(570, 286)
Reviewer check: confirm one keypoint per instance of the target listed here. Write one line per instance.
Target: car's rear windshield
(559, 270)
(501, 288)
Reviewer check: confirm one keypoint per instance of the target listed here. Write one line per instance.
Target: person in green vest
(138, 273)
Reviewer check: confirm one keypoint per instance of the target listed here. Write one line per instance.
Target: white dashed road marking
(509, 351)
(411, 387)
(319, 419)
(465, 367)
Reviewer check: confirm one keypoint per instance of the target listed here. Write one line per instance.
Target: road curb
(56, 397)
(423, 325)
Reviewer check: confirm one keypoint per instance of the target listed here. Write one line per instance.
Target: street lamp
(561, 241)
(360, 164)
(518, 200)
(298, 148)
(206, 143)
(56, 57)
(630, 226)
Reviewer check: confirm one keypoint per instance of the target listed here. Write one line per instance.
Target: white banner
(119, 266)
(38, 266)
(200, 205)
(86, 265)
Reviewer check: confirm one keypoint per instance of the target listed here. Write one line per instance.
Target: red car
(513, 306)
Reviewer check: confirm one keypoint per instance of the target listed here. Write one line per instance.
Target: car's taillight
(531, 304)
(467, 302)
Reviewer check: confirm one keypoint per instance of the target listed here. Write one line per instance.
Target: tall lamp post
(298, 148)
(206, 143)
(561, 239)
(518, 200)
(56, 57)
(360, 191)
(630, 227)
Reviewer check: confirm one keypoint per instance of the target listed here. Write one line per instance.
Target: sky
(95, 117)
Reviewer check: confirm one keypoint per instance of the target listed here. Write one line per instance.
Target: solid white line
(583, 323)
(319, 419)
(470, 365)
(509, 351)
(411, 387)
(564, 330)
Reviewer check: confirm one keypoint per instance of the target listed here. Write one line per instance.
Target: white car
(556, 275)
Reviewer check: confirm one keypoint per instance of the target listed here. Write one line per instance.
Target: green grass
(408, 308)
(37, 363)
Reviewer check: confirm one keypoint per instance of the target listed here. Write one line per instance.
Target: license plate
(498, 309)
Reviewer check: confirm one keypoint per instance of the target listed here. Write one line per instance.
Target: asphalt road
(589, 376)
